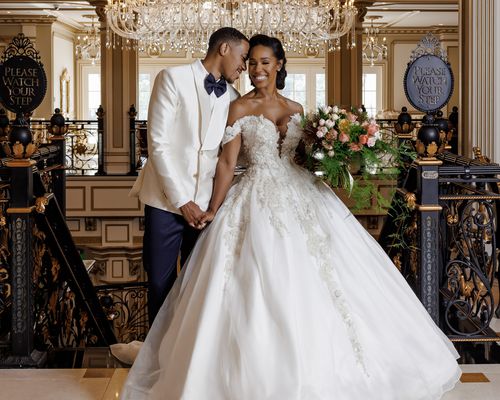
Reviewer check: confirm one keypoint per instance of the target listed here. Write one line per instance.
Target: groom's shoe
(126, 352)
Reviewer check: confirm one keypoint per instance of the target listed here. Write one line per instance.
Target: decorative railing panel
(126, 306)
(442, 234)
(81, 144)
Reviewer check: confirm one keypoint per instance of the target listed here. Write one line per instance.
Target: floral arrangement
(338, 142)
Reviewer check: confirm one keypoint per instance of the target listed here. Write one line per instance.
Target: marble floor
(481, 382)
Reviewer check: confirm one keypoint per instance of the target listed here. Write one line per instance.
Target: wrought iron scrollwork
(468, 296)
(21, 46)
(126, 306)
(59, 321)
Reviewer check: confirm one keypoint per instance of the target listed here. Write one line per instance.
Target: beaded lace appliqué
(270, 177)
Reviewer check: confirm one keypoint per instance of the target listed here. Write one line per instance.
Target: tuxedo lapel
(204, 102)
(215, 128)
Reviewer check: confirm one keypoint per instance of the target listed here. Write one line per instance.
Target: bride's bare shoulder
(294, 107)
(239, 108)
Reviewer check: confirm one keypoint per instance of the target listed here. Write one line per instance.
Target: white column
(478, 76)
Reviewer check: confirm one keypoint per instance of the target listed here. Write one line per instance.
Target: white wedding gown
(287, 297)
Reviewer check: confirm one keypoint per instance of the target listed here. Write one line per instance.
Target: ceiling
(399, 14)
(394, 14)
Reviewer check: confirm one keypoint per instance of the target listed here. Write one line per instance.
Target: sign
(428, 83)
(23, 82)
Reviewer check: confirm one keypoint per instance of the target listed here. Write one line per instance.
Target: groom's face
(234, 58)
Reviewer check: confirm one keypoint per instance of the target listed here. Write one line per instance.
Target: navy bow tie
(211, 85)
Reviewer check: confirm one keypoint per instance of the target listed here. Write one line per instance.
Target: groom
(186, 119)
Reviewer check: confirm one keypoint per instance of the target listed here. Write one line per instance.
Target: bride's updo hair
(279, 53)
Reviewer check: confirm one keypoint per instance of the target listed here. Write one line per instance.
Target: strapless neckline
(264, 118)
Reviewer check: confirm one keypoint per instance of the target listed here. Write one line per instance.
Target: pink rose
(344, 138)
(363, 139)
(372, 129)
(320, 133)
(371, 141)
(351, 117)
(354, 147)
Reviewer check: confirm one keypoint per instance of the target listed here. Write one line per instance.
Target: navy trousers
(166, 234)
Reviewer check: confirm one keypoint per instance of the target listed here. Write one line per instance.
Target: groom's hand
(191, 213)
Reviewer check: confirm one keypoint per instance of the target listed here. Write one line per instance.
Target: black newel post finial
(132, 114)
(428, 140)
(100, 141)
(404, 126)
(20, 144)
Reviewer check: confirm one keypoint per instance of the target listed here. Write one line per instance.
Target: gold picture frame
(64, 82)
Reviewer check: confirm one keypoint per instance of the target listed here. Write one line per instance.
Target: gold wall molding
(418, 31)
(27, 19)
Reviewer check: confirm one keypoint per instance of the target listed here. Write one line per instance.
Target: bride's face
(263, 66)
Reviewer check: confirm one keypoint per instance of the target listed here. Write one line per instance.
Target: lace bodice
(260, 140)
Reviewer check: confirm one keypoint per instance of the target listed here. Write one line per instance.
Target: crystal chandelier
(158, 25)
(372, 50)
(88, 44)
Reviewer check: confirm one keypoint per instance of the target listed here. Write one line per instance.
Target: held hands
(207, 217)
(194, 216)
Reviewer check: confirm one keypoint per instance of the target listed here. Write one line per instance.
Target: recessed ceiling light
(8, 12)
(440, 24)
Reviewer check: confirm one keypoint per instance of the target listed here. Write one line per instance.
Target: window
(94, 95)
(320, 90)
(90, 89)
(295, 88)
(372, 89)
(145, 87)
(148, 69)
(370, 93)
(305, 83)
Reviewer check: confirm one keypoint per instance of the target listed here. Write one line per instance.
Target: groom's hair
(225, 35)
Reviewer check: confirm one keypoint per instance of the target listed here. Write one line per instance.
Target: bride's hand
(207, 217)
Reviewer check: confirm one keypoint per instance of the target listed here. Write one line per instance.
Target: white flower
(318, 155)
(320, 133)
(329, 123)
(321, 122)
(315, 125)
(324, 109)
(371, 141)
(335, 117)
(331, 153)
(360, 110)
(335, 109)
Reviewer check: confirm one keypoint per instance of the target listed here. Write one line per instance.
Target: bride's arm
(223, 177)
(224, 172)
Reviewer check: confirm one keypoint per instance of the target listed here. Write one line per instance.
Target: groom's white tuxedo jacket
(185, 129)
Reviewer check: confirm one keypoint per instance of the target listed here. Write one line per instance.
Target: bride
(286, 296)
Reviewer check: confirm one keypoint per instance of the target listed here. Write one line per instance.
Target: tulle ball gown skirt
(287, 297)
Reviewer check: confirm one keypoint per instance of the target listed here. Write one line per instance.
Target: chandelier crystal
(186, 25)
(88, 44)
(372, 49)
